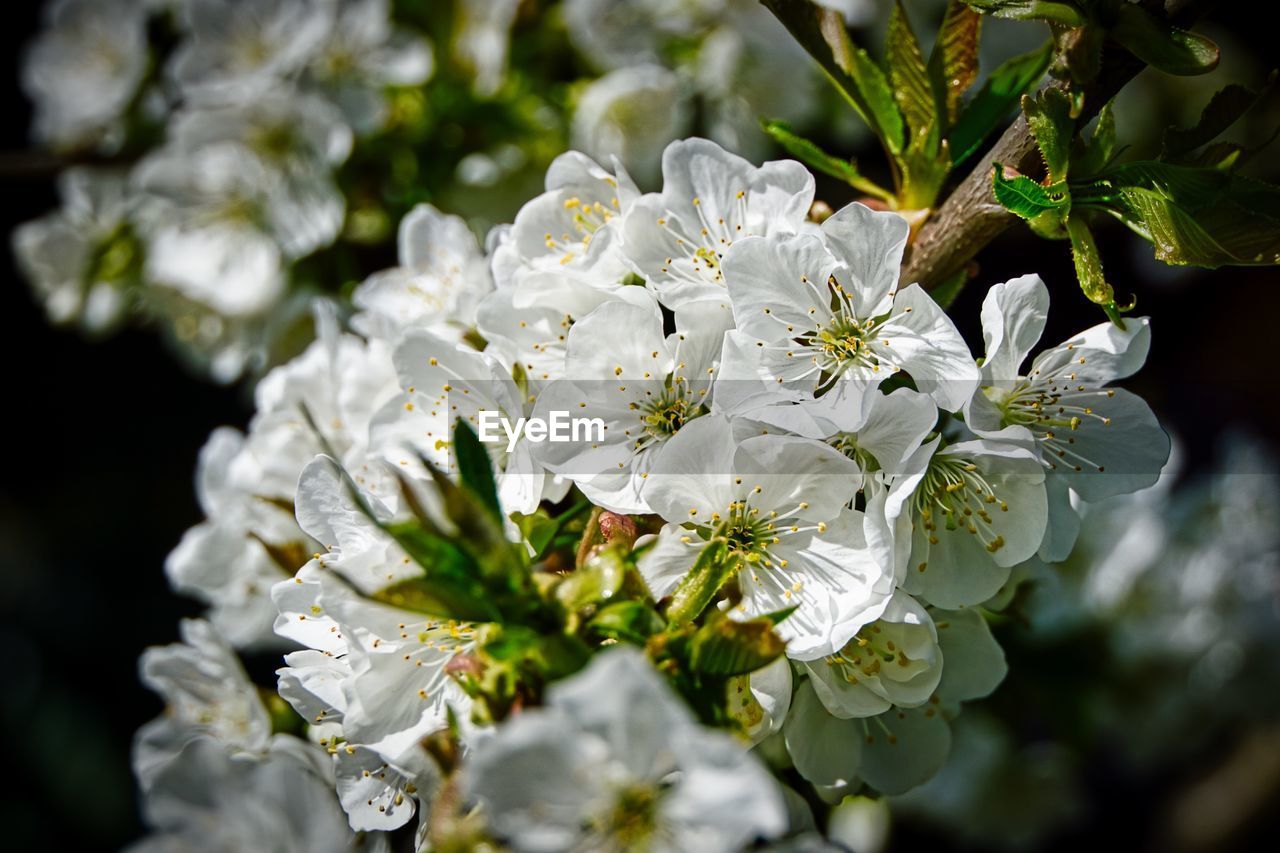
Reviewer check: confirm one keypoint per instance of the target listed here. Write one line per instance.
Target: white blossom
(615, 760)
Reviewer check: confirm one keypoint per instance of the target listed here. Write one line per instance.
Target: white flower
(738, 68)
(976, 509)
(894, 661)
(644, 385)
(780, 501)
(362, 54)
(206, 692)
(573, 226)
(816, 311)
(80, 259)
(527, 324)
(209, 799)
(299, 133)
(441, 279)
(237, 49)
(615, 761)
(892, 752)
(231, 559)
(901, 747)
(710, 199)
(631, 113)
(84, 68)
(442, 383)
(1094, 440)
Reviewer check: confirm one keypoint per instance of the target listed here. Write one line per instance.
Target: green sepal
(715, 565)
(626, 621)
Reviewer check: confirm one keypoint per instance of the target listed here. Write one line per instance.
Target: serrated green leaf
(1197, 216)
(475, 468)
(1091, 156)
(724, 648)
(1067, 14)
(1222, 111)
(996, 99)
(1049, 118)
(1028, 199)
(953, 63)
(1162, 45)
(628, 621)
(855, 74)
(814, 157)
(909, 75)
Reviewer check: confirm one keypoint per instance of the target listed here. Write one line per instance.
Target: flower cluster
(802, 492)
(254, 107)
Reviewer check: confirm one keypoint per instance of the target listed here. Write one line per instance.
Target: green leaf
(1222, 111)
(475, 468)
(1067, 14)
(1084, 251)
(1049, 118)
(1162, 45)
(724, 648)
(823, 34)
(814, 157)
(996, 99)
(440, 598)
(715, 565)
(628, 621)
(777, 617)
(1028, 199)
(953, 63)
(544, 656)
(1197, 216)
(599, 579)
(909, 75)
(1092, 156)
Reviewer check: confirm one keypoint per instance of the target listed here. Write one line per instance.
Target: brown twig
(971, 217)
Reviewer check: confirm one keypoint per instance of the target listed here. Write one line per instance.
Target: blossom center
(956, 494)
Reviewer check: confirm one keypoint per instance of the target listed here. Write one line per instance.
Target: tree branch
(971, 217)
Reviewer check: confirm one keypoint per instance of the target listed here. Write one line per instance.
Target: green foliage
(1199, 216)
(475, 468)
(725, 648)
(1162, 45)
(716, 563)
(811, 155)
(953, 63)
(995, 100)
(1064, 13)
(1028, 199)
(1049, 118)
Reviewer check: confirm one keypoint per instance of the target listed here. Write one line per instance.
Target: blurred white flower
(615, 761)
(84, 68)
(483, 40)
(208, 799)
(631, 113)
(82, 259)
(237, 49)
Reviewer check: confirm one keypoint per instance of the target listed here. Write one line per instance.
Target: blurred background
(1143, 703)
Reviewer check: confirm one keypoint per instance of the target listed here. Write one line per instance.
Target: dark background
(100, 443)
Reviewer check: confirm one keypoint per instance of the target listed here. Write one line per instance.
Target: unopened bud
(617, 529)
